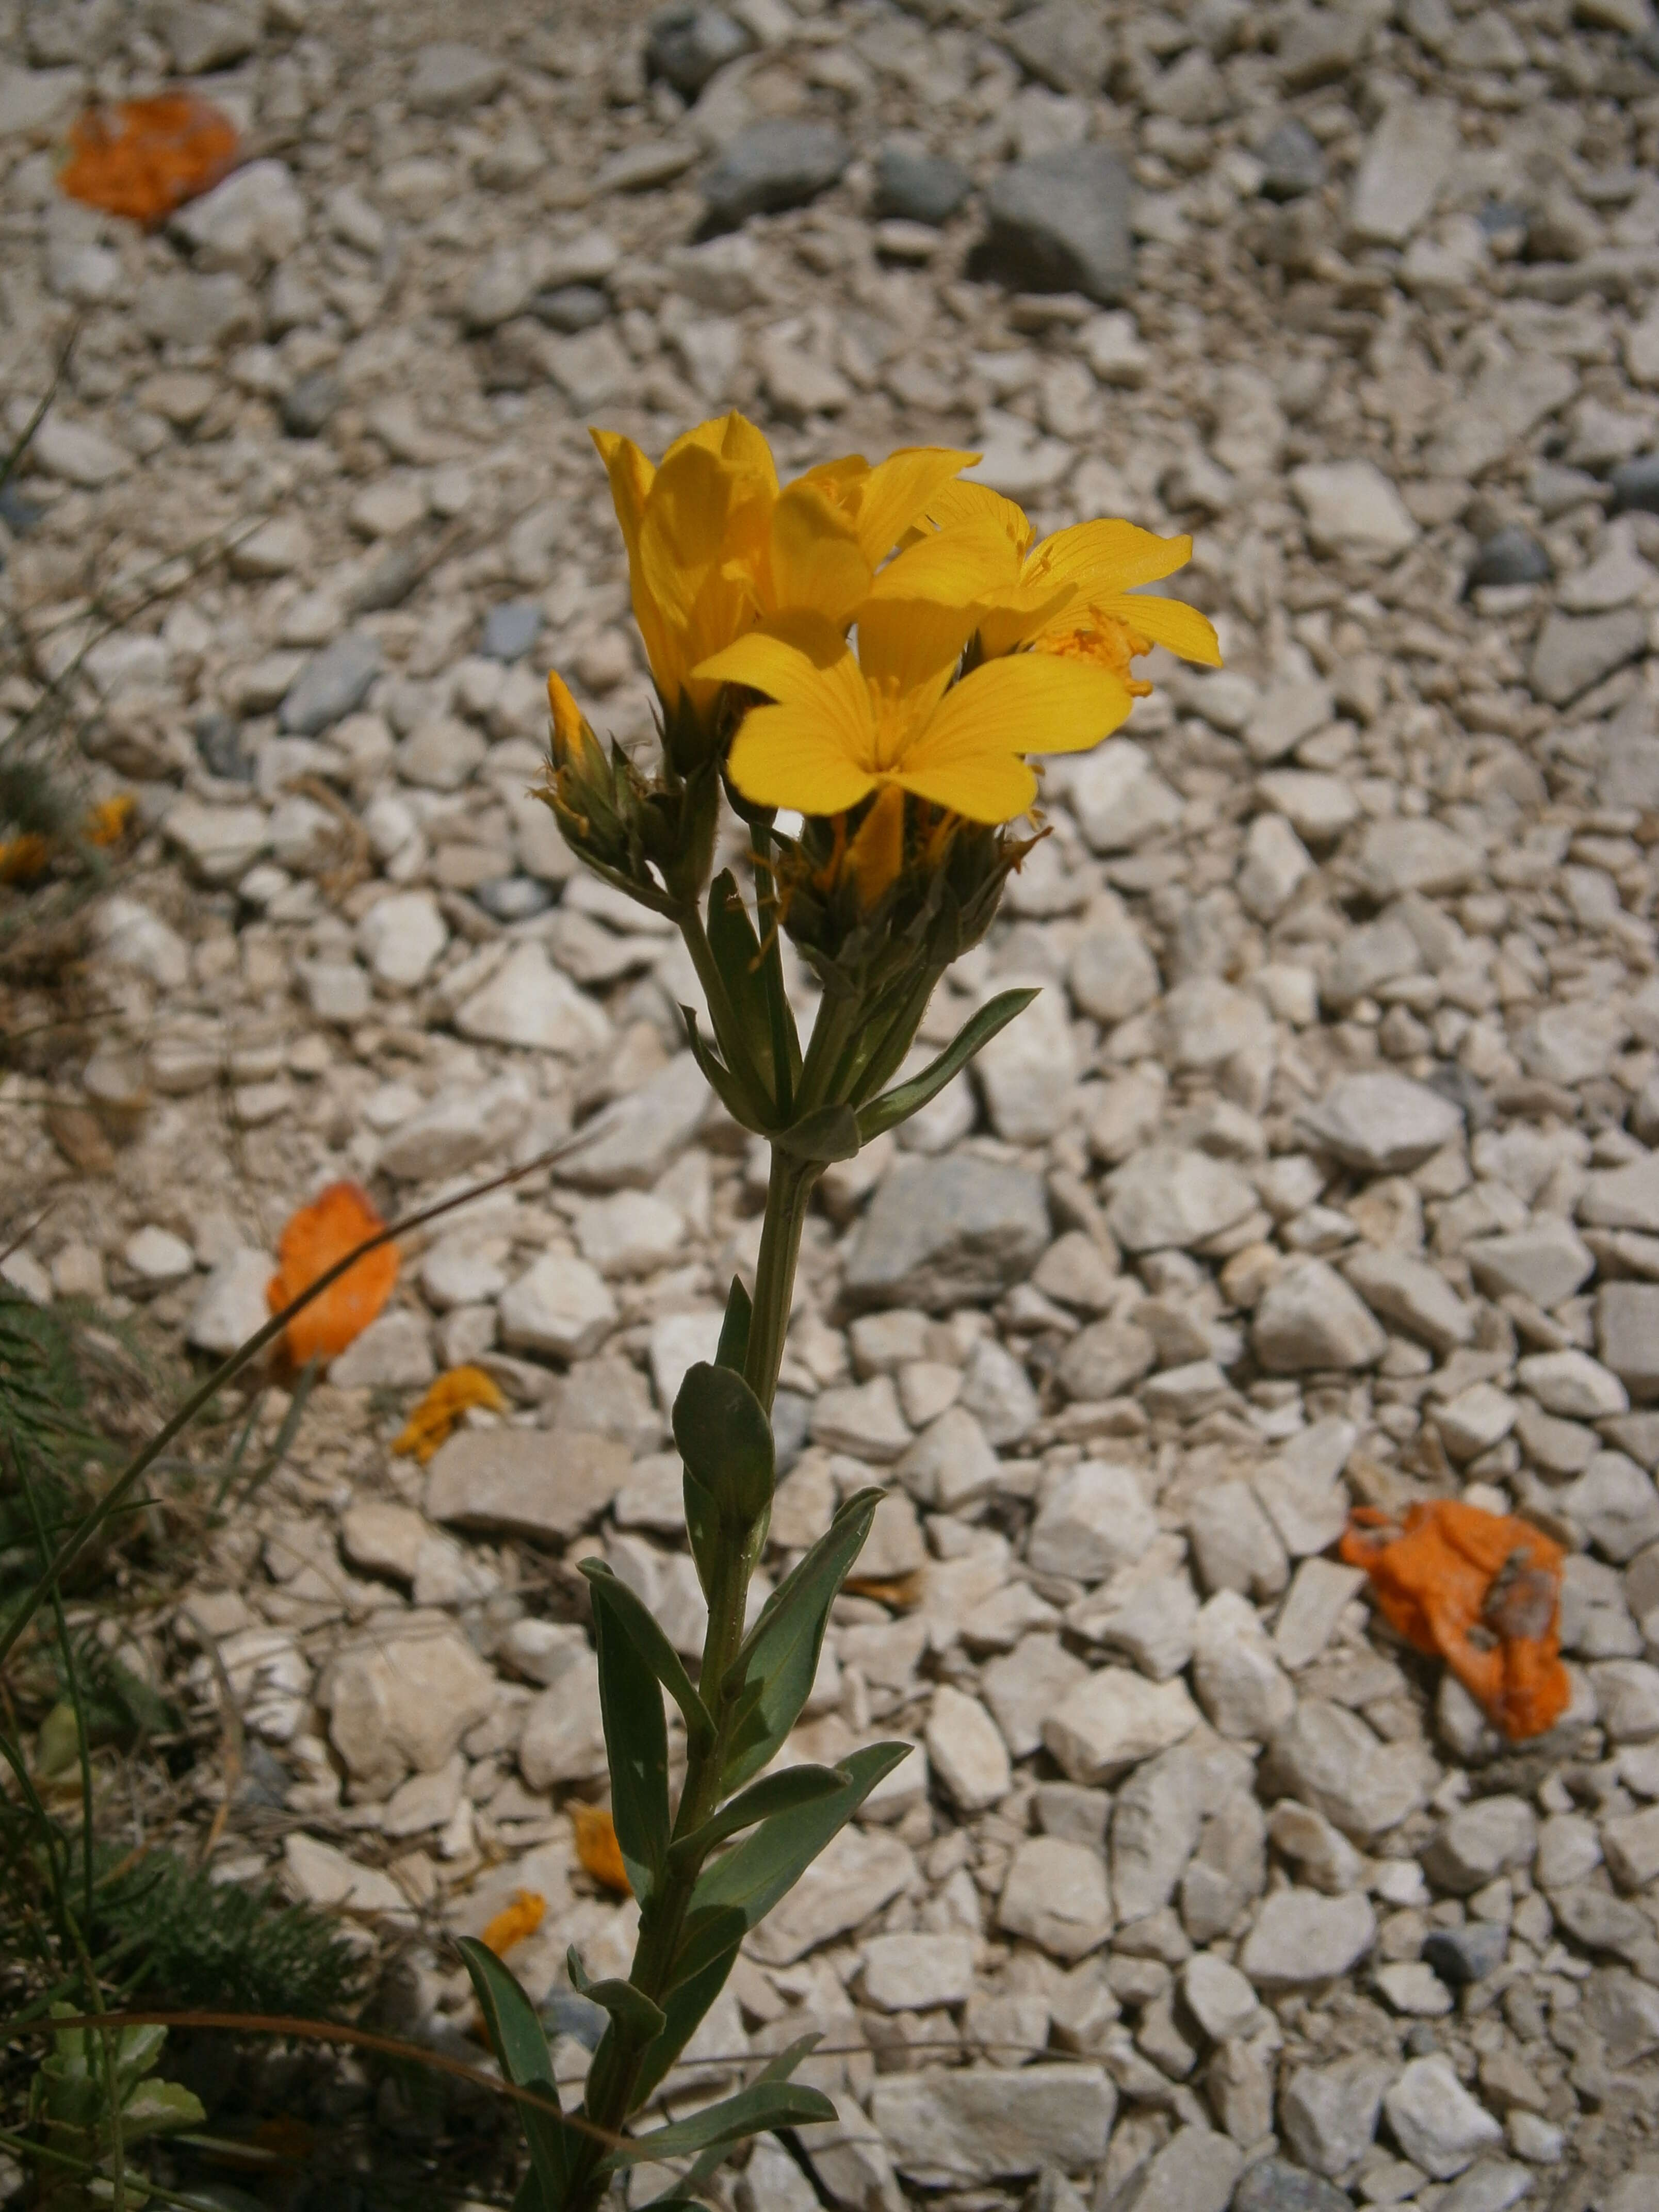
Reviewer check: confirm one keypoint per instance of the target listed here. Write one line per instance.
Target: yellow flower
(841, 727)
(1074, 594)
(715, 546)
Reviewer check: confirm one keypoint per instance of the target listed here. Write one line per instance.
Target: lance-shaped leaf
(633, 1619)
(686, 2188)
(638, 2020)
(737, 1892)
(725, 1441)
(733, 1351)
(737, 953)
(829, 1134)
(773, 1793)
(719, 1077)
(896, 1106)
(635, 1743)
(719, 1935)
(771, 1678)
(752, 2111)
(521, 2052)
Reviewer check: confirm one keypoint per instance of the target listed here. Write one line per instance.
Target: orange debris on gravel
(23, 859)
(108, 822)
(143, 158)
(1483, 1591)
(454, 1393)
(597, 1848)
(514, 1922)
(316, 1237)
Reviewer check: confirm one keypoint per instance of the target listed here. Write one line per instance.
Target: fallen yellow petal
(597, 1848)
(514, 1922)
(454, 1394)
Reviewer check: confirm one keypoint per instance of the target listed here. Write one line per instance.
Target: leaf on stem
(637, 2019)
(752, 2111)
(737, 953)
(733, 1351)
(726, 1442)
(637, 1621)
(771, 1678)
(773, 1793)
(635, 1738)
(521, 2051)
(829, 1134)
(896, 1106)
(717, 1075)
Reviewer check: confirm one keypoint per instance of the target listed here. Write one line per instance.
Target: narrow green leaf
(773, 1793)
(896, 1106)
(635, 1741)
(718, 1076)
(771, 1678)
(521, 2052)
(741, 1888)
(703, 2168)
(637, 2019)
(725, 1441)
(706, 1935)
(752, 2111)
(636, 1620)
(685, 2006)
(737, 953)
(829, 1134)
(733, 1351)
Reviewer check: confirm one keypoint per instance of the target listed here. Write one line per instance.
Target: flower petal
(815, 564)
(798, 756)
(986, 786)
(959, 506)
(958, 565)
(898, 489)
(1107, 556)
(1169, 622)
(1027, 704)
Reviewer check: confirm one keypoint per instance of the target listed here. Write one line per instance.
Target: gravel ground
(1321, 1173)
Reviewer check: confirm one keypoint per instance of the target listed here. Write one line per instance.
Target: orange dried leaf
(514, 1922)
(454, 1394)
(597, 1848)
(1482, 1590)
(144, 158)
(22, 859)
(108, 822)
(316, 1237)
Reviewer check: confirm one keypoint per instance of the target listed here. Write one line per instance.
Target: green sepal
(829, 1134)
(638, 2020)
(733, 1351)
(896, 1106)
(755, 2111)
(719, 1077)
(521, 2052)
(771, 1678)
(726, 1442)
(643, 1630)
(736, 951)
(773, 1793)
(635, 1739)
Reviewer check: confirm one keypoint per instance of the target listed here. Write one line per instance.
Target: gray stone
(1627, 1335)
(1330, 1760)
(402, 1701)
(1060, 222)
(1479, 1841)
(310, 403)
(232, 1305)
(1195, 2172)
(1573, 1044)
(1276, 862)
(917, 187)
(1328, 2113)
(1436, 2122)
(635, 1141)
(1414, 1296)
(1353, 510)
(687, 44)
(1301, 1937)
(1405, 162)
(1235, 1545)
(1512, 555)
(966, 1751)
(1025, 1686)
(1166, 1199)
(1506, 401)
(332, 684)
(847, 1884)
(947, 1231)
(1119, 798)
(192, 307)
(529, 1003)
(1116, 1719)
(1111, 974)
(772, 166)
(963, 2128)
(1309, 1319)
(1572, 1384)
(1461, 1956)
(1235, 1672)
(394, 1353)
(525, 1482)
(449, 77)
(1292, 160)
(1158, 1815)
(1615, 1504)
(1273, 2186)
(1094, 1521)
(1055, 1895)
(511, 629)
(1152, 1622)
(1576, 651)
(1547, 1261)
(1064, 43)
(916, 1972)
(1381, 1123)
(219, 843)
(1627, 1699)
(1404, 854)
(562, 1737)
(1104, 1359)
(1624, 1198)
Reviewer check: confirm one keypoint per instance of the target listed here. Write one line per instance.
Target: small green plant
(94, 2098)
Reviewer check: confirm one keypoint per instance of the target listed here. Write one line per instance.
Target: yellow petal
(1171, 622)
(1029, 703)
(877, 851)
(912, 645)
(796, 756)
(987, 785)
(1106, 556)
(787, 659)
(959, 506)
(815, 564)
(898, 489)
(630, 475)
(958, 565)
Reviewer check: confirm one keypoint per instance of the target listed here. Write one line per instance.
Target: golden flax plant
(873, 653)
